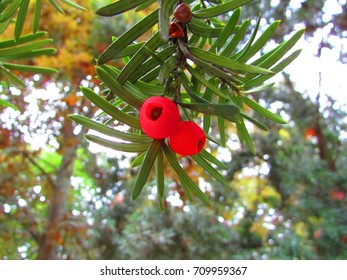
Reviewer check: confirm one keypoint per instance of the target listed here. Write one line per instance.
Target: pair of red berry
(160, 119)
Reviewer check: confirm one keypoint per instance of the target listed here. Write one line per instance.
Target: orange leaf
(310, 132)
(337, 195)
(71, 99)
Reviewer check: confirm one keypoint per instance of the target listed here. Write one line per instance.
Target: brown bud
(183, 13)
(176, 30)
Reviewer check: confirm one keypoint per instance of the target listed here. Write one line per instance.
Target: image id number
(201, 270)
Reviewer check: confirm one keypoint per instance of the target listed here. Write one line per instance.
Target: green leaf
(244, 135)
(22, 40)
(31, 69)
(30, 54)
(138, 160)
(210, 69)
(219, 73)
(149, 89)
(57, 6)
(226, 62)
(259, 88)
(128, 37)
(74, 5)
(228, 29)
(263, 111)
(191, 93)
(262, 40)
(109, 109)
(117, 88)
(269, 59)
(10, 10)
(37, 15)
(128, 88)
(278, 68)
(4, 25)
(145, 5)
(4, 4)
(5, 103)
(194, 84)
(220, 9)
(209, 169)
(187, 183)
(168, 67)
(129, 50)
(146, 167)
(246, 48)
(15, 51)
(150, 65)
(206, 123)
(206, 83)
(139, 58)
(118, 146)
(238, 37)
(119, 7)
(227, 111)
(143, 90)
(173, 161)
(207, 118)
(11, 78)
(206, 155)
(202, 29)
(165, 11)
(159, 172)
(104, 129)
(255, 122)
(22, 13)
(222, 133)
(152, 75)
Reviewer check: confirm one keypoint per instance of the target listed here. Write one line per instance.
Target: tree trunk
(51, 238)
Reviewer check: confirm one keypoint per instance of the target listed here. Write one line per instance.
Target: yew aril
(159, 117)
(189, 139)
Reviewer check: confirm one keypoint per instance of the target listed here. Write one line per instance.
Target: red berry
(176, 30)
(310, 132)
(189, 139)
(183, 13)
(159, 117)
(338, 195)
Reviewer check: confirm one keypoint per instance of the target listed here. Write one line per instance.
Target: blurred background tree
(60, 200)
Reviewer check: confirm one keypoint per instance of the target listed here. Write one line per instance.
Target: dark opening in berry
(200, 143)
(155, 113)
(159, 117)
